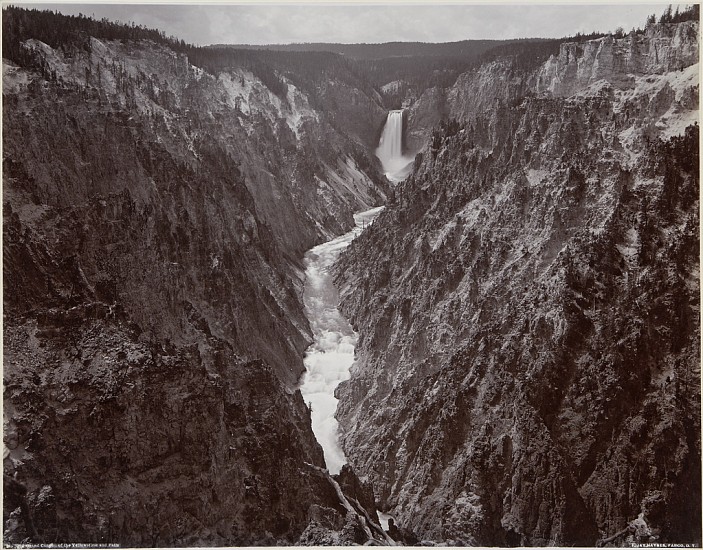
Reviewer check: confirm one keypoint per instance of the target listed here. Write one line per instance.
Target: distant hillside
(412, 66)
(420, 65)
(463, 48)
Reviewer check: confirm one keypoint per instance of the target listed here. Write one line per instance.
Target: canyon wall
(660, 48)
(155, 217)
(528, 366)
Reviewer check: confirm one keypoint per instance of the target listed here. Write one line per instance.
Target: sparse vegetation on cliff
(528, 364)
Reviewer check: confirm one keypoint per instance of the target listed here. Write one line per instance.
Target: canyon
(515, 359)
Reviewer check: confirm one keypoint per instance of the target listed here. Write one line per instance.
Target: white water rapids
(330, 356)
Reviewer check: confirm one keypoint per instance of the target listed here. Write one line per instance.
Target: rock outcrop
(528, 365)
(618, 63)
(663, 48)
(121, 441)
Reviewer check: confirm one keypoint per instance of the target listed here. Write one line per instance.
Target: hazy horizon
(279, 24)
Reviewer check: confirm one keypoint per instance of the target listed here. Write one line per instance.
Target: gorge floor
(330, 356)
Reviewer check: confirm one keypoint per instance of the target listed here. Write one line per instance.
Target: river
(330, 356)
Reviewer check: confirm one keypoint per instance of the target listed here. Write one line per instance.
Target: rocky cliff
(660, 49)
(617, 62)
(116, 440)
(155, 216)
(528, 307)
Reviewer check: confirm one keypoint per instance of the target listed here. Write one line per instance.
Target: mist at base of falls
(331, 355)
(390, 148)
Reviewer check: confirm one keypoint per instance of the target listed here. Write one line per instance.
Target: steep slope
(528, 307)
(658, 49)
(113, 440)
(155, 216)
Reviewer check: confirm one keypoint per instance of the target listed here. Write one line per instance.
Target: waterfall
(390, 148)
(391, 145)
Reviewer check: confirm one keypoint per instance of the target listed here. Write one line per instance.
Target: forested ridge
(416, 65)
(72, 32)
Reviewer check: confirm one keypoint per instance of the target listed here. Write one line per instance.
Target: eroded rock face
(662, 49)
(423, 115)
(117, 440)
(617, 64)
(528, 359)
(212, 185)
(155, 218)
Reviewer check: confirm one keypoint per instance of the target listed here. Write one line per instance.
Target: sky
(353, 22)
